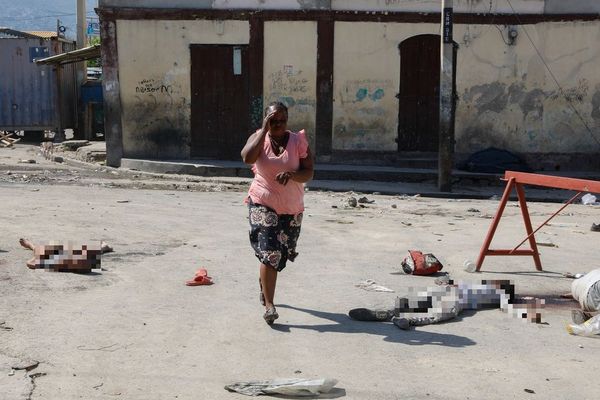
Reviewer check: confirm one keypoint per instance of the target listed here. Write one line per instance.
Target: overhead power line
(42, 17)
(562, 92)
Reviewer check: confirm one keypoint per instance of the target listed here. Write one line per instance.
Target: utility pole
(81, 24)
(81, 66)
(446, 134)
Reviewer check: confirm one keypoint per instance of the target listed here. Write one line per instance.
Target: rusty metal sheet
(28, 91)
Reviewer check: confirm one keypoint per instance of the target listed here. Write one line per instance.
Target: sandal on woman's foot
(262, 296)
(271, 315)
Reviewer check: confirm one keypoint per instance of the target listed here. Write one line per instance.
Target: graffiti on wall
(288, 81)
(157, 118)
(291, 88)
(154, 86)
(363, 90)
(368, 122)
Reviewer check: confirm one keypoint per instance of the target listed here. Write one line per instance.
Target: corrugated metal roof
(13, 33)
(43, 34)
(8, 33)
(87, 53)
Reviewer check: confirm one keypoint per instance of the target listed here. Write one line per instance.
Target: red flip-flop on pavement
(201, 278)
(202, 272)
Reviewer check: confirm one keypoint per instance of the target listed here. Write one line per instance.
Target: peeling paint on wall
(596, 104)
(490, 96)
(158, 128)
(511, 100)
(526, 121)
(314, 4)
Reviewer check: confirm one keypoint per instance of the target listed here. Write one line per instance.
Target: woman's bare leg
(268, 280)
(28, 244)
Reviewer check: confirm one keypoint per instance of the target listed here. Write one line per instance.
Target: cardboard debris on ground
(285, 387)
(372, 286)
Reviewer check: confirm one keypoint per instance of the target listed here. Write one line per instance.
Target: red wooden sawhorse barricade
(516, 180)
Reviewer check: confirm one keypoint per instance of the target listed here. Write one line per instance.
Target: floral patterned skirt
(273, 236)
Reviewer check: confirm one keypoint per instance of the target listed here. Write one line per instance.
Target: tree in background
(96, 62)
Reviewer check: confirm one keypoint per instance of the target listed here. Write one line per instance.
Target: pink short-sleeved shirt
(265, 190)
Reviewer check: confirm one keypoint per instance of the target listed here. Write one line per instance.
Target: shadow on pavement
(343, 324)
(539, 274)
(335, 393)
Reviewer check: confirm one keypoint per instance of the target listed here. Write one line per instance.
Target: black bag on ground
(494, 161)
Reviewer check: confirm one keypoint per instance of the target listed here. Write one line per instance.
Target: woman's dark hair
(277, 105)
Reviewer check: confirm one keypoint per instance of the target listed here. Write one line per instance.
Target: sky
(41, 15)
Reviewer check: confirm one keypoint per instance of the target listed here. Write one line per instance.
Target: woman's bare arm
(251, 150)
(304, 173)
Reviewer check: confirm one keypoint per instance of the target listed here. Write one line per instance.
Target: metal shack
(32, 98)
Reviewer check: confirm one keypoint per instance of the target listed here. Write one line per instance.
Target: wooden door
(419, 97)
(220, 101)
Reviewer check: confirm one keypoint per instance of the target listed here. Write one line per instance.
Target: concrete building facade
(189, 79)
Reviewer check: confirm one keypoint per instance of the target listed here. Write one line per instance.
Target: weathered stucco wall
(572, 6)
(155, 78)
(475, 6)
(290, 71)
(221, 4)
(508, 97)
(366, 81)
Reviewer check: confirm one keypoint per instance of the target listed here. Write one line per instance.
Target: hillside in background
(41, 15)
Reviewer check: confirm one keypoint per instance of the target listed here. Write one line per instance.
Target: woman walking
(282, 162)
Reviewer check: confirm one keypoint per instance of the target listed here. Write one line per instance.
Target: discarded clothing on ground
(586, 290)
(287, 387)
(372, 286)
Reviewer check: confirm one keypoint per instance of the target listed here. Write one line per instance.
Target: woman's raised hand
(266, 126)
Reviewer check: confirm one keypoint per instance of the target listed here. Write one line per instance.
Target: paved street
(133, 330)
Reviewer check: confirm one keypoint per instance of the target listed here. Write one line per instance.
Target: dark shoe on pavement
(271, 315)
(364, 314)
(401, 323)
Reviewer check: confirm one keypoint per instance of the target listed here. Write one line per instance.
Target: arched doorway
(419, 95)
